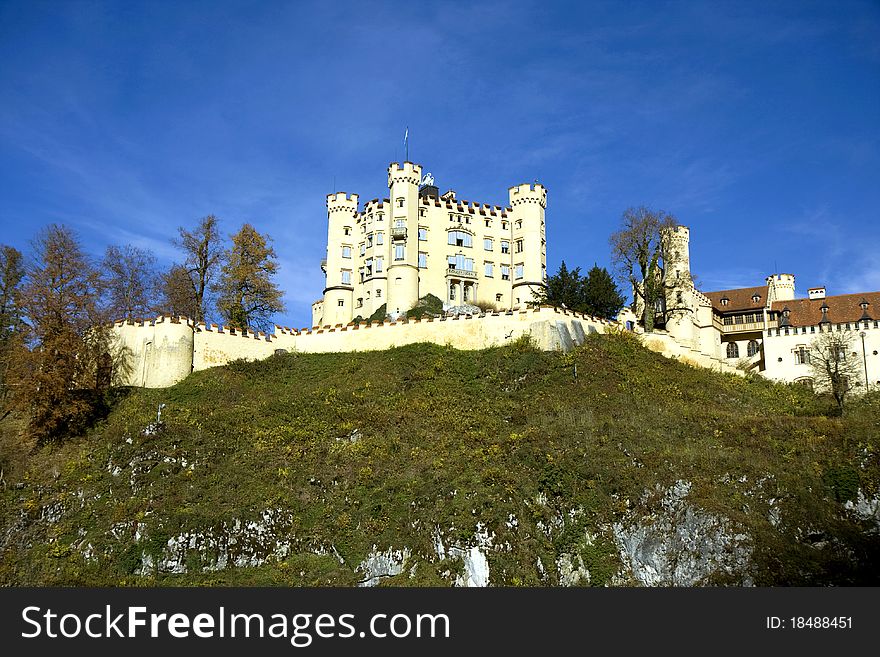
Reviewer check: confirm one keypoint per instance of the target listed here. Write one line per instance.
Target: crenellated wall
(163, 351)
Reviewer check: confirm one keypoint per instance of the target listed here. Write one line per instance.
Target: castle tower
(341, 211)
(403, 265)
(780, 287)
(528, 250)
(680, 305)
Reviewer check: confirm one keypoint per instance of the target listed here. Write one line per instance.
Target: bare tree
(130, 281)
(69, 336)
(835, 367)
(248, 297)
(639, 252)
(203, 250)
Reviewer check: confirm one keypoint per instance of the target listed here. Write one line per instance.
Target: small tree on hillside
(247, 295)
(638, 251)
(130, 281)
(835, 369)
(69, 336)
(203, 250)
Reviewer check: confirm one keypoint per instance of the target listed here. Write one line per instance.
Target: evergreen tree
(602, 297)
(564, 289)
(247, 295)
(11, 324)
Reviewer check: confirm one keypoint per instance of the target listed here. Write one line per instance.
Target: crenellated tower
(680, 304)
(403, 265)
(528, 241)
(339, 266)
(780, 287)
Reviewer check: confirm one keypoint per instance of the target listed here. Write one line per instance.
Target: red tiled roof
(841, 308)
(739, 299)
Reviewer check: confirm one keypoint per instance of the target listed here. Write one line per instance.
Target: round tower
(341, 216)
(678, 253)
(403, 249)
(528, 241)
(780, 287)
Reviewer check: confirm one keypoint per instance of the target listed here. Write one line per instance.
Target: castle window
(802, 356)
(498, 298)
(363, 248)
(756, 298)
(505, 273)
(724, 301)
(503, 225)
(488, 224)
(346, 251)
(378, 264)
(398, 252)
(519, 246)
(505, 247)
(380, 238)
(370, 240)
(732, 350)
(400, 202)
(423, 234)
(423, 260)
(360, 303)
(340, 303)
(487, 244)
(460, 262)
(422, 212)
(460, 238)
(452, 287)
(346, 230)
(518, 224)
(489, 268)
(727, 320)
(518, 272)
(752, 348)
(369, 267)
(379, 217)
(361, 274)
(378, 294)
(400, 223)
(346, 276)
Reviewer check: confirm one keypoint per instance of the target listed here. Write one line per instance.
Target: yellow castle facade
(391, 252)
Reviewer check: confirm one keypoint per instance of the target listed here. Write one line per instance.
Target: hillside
(424, 465)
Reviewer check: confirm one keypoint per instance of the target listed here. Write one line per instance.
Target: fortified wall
(163, 351)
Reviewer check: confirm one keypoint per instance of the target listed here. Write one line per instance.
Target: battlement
(408, 172)
(682, 233)
(341, 201)
(777, 279)
(528, 193)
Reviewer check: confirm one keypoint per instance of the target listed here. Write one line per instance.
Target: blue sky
(756, 124)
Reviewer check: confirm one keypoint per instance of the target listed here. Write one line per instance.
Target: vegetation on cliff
(296, 469)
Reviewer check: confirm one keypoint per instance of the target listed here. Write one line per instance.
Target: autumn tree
(247, 295)
(177, 294)
(203, 250)
(835, 365)
(639, 251)
(130, 281)
(69, 336)
(11, 324)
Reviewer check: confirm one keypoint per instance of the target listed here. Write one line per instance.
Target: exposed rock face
(866, 508)
(681, 545)
(379, 565)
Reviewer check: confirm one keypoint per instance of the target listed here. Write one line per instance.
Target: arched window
(752, 348)
(732, 350)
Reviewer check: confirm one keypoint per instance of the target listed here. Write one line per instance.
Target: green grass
(445, 439)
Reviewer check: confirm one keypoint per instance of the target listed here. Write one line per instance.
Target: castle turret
(341, 216)
(680, 305)
(403, 263)
(780, 287)
(528, 251)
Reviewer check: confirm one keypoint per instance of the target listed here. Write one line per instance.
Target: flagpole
(406, 144)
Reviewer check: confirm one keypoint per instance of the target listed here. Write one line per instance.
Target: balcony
(398, 233)
(324, 265)
(746, 327)
(460, 273)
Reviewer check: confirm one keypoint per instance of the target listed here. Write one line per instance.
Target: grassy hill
(390, 466)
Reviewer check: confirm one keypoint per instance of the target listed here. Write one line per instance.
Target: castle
(766, 328)
(393, 252)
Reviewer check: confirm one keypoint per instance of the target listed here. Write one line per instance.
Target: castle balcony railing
(398, 233)
(324, 265)
(746, 327)
(460, 273)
